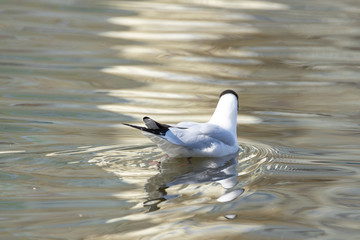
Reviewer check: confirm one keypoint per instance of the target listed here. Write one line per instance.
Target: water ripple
(165, 178)
(71, 71)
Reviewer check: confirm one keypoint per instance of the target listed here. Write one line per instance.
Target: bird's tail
(153, 131)
(134, 126)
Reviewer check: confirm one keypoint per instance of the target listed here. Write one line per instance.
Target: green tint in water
(72, 71)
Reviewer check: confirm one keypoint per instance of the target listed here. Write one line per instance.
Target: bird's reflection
(176, 171)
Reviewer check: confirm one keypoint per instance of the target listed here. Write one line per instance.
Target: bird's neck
(225, 114)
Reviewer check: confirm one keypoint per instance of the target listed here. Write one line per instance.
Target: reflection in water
(176, 171)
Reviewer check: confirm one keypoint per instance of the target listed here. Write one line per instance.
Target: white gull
(215, 138)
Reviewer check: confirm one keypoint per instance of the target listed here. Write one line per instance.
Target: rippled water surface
(72, 71)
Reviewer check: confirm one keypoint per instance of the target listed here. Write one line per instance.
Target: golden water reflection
(72, 71)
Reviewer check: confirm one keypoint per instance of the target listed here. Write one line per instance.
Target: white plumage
(215, 138)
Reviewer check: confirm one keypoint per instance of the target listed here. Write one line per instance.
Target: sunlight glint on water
(72, 71)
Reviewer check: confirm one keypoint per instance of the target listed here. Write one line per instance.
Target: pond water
(72, 71)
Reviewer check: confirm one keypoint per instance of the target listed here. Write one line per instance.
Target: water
(72, 71)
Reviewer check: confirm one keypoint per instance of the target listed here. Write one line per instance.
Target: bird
(215, 138)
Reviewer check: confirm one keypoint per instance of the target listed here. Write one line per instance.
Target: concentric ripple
(167, 178)
(253, 159)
